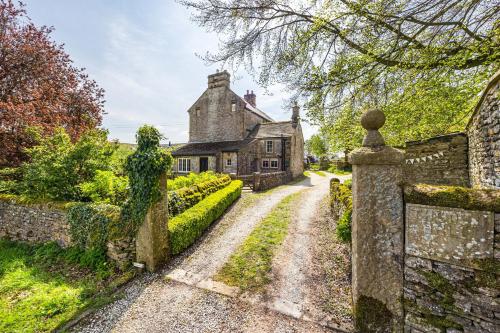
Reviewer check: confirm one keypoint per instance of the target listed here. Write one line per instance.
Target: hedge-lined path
(299, 275)
(183, 298)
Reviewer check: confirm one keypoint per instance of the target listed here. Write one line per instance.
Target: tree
(57, 166)
(346, 54)
(39, 86)
(316, 146)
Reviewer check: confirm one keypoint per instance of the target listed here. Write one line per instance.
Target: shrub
(57, 165)
(341, 204)
(187, 227)
(184, 198)
(106, 187)
(344, 226)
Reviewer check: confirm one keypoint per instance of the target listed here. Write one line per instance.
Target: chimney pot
(251, 98)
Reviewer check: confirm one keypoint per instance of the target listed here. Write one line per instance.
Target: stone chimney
(295, 114)
(251, 98)
(219, 79)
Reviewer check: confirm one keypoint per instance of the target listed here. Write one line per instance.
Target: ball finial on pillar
(372, 120)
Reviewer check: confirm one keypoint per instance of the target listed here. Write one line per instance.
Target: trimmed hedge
(187, 227)
(186, 197)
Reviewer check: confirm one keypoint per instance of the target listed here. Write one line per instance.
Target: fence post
(152, 243)
(377, 231)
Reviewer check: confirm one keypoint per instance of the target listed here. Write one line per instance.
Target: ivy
(144, 168)
(89, 224)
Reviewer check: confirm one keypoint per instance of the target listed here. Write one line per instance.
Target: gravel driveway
(183, 298)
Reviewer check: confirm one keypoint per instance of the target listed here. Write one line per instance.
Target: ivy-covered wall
(52, 222)
(452, 260)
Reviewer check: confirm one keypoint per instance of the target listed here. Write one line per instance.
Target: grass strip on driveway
(249, 266)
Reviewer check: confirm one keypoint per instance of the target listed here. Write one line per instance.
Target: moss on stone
(437, 321)
(486, 275)
(453, 196)
(441, 284)
(371, 315)
(38, 203)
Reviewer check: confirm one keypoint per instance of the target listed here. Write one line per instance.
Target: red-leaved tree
(39, 86)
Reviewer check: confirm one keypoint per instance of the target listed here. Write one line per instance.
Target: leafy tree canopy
(341, 56)
(57, 166)
(316, 146)
(39, 86)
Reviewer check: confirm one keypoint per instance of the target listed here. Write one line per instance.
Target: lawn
(249, 266)
(319, 173)
(42, 287)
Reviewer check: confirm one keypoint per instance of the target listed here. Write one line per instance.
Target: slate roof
(273, 130)
(258, 112)
(209, 148)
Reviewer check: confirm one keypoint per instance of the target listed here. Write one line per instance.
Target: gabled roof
(273, 130)
(209, 148)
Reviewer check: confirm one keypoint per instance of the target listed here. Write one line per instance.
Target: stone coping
(453, 196)
(38, 203)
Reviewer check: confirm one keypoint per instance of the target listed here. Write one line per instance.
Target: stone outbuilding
(229, 134)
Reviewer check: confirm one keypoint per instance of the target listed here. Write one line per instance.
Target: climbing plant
(144, 168)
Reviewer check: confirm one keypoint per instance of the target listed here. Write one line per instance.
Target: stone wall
(33, 223)
(451, 272)
(264, 181)
(441, 160)
(484, 138)
(41, 223)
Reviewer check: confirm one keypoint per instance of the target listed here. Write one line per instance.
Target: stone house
(229, 134)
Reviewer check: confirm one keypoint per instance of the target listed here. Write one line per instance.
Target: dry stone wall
(41, 223)
(441, 160)
(484, 138)
(451, 272)
(33, 223)
(264, 181)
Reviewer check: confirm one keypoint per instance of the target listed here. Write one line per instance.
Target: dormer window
(233, 105)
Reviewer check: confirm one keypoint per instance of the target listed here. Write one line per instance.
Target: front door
(203, 164)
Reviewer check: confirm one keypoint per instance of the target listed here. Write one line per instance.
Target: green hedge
(187, 227)
(186, 197)
(341, 196)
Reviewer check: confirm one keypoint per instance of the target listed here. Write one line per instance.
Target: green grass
(307, 174)
(42, 287)
(336, 171)
(319, 173)
(249, 266)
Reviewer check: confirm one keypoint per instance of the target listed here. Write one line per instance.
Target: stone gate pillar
(152, 242)
(377, 231)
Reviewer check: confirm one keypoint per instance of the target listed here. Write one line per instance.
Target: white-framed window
(233, 106)
(274, 163)
(198, 111)
(229, 162)
(184, 165)
(269, 146)
(265, 163)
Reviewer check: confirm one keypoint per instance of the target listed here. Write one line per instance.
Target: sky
(145, 54)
